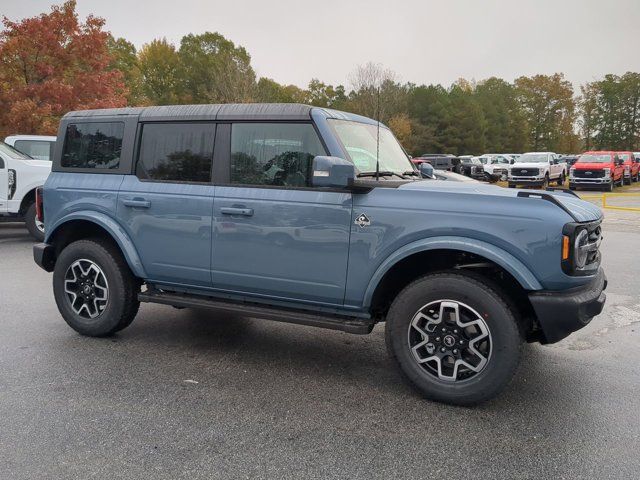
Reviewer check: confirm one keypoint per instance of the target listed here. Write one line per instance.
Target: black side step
(300, 317)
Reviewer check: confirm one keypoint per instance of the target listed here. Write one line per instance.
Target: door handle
(137, 203)
(247, 212)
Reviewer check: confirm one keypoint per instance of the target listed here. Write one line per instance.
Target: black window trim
(138, 146)
(226, 158)
(121, 170)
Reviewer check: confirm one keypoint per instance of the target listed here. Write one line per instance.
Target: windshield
(534, 158)
(625, 156)
(359, 140)
(12, 152)
(589, 158)
(475, 161)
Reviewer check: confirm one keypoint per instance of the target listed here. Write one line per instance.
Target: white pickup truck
(20, 175)
(537, 169)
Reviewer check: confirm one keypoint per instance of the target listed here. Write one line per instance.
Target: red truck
(602, 170)
(631, 167)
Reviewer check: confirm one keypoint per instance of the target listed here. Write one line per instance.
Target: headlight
(607, 172)
(12, 182)
(571, 171)
(580, 251)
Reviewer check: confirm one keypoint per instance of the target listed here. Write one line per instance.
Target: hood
(530, 165)
(580, 210)
(38, 163)
(591, 166)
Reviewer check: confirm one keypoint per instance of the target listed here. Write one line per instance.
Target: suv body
(537, 169)
(285, 212)
(471, 167)
(38, 147)
(20, 176)
(439, 161)
(631, 167)
(596, 169)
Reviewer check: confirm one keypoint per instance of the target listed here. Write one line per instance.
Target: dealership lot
(180, 394)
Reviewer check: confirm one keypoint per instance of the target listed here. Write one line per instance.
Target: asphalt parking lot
(182, 394)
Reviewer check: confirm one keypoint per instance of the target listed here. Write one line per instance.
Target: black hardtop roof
(229, 111)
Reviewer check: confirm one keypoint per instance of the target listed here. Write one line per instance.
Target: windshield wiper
(373, 174)
(411, 172)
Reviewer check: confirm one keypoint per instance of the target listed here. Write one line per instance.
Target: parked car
(440, 161)
(38, 147)
(461, 272)
(597, 169)
(569, 159)
(496, 165)
(537, 169)
(20, 175)
(471, 167)
(630, 166)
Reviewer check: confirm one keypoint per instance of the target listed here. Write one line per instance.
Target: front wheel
(35, 226)
(94, 289)
(561, 179)
(454, 338)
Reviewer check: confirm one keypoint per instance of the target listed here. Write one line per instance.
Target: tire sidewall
(108, 321)
(505, 338)
(30, 222)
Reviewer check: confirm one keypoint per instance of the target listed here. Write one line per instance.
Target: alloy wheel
(86, 288)
(450, 340)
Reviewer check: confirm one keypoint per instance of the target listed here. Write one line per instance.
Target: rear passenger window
(179, 152)
(93, 145)
(273, 153)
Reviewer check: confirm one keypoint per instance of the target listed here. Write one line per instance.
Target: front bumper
(589, 181)
(536, 181)
(561, 313)
(45, 256)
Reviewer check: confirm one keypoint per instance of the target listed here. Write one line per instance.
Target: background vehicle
(471, 167)
(461, 272)
(537, 169)
(631, 167)
(38, 147)
(440, 161)
(20, 175)
(496, 166)
(596, 169)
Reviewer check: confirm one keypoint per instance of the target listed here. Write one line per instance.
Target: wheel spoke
(453, 344)
(86, 288)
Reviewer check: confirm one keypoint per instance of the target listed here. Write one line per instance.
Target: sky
(422, 41)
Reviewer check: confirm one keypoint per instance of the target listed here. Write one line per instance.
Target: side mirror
(426, 170)
(332, 172)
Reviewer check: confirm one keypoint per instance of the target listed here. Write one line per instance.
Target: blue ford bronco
(316, 217)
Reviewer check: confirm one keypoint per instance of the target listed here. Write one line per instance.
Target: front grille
(500, 170)
(524, 172)
(588, 173)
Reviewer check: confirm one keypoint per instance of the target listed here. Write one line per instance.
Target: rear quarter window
(93, 145)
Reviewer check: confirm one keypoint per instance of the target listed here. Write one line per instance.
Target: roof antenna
(378, 135)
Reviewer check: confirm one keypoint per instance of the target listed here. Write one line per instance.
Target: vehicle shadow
(14, 232)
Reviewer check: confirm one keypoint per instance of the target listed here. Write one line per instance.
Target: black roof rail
(549, 198)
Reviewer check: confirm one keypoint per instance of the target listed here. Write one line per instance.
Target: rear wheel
(454, 338)
(35, 226)
(94, 289)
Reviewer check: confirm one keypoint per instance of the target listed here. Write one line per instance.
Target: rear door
(274, 235)
(166, 206)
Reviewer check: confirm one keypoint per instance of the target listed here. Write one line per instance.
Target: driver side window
(277, 154)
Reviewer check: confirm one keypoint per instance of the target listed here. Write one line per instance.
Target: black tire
(122, 304)
(30, 221)
(609, 186)
(571, 187)
(561, 179)
(483, 297)
(627, 182)
(545, 182)
(512, 185)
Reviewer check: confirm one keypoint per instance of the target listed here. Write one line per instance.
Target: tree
(376, 92)
(550, 111)
(506, 127)
(161, 73)
(270, 91)
(124, 58)
(323, 95)
(51, 64)
(215, 70)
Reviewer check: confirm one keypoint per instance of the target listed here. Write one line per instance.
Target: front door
(274, 235)
(166, 207)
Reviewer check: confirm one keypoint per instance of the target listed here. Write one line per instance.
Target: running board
(299, 317)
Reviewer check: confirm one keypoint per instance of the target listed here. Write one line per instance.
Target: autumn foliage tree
(51, 64)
